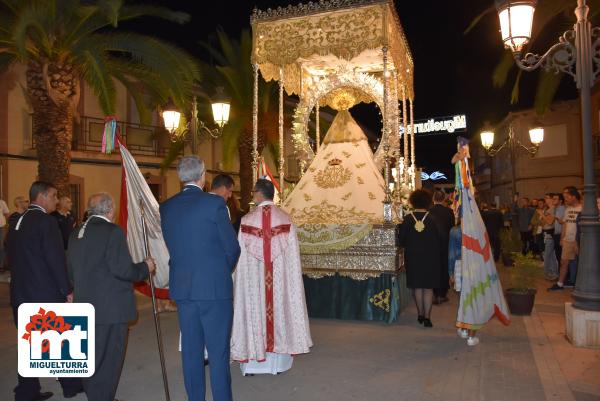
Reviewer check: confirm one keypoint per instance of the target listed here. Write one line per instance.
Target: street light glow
(536, 135)
(221, 113)
(516, 21)
(221, 105)
(487, 139)
(171, 118)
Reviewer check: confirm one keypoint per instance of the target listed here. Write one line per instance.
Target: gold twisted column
(412, 145)
(318, 128)
(387, 203)
(281, 149)
(397, 132)
(255, 126)
(405, 135)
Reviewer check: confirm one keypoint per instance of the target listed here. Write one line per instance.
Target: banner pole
(154, 310)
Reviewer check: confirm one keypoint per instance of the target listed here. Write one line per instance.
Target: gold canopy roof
(320, 38)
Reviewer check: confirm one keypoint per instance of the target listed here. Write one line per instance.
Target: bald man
(103, 274)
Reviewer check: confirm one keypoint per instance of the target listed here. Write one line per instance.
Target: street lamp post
(512, 144)
(573, 55)
(195, 126)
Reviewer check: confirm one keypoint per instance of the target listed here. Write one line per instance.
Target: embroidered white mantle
(291, 332)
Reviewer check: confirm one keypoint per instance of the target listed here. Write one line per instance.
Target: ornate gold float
(339, 53)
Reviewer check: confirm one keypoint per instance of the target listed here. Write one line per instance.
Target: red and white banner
(135, 195)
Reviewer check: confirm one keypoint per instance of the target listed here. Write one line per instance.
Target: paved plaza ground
(528, 361)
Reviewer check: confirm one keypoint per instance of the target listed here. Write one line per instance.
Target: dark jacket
(203, 247)
(65, 224)
(523, 216)
(493, 220)
(444, 217)
(102, 271)
(37, 260)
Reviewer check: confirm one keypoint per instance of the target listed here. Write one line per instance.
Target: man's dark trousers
(526, 242)
(111, 343)
(496, 246)
(206, 323)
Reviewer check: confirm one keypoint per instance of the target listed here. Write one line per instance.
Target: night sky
(452, 70)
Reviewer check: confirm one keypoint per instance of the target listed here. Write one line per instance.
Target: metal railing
(142, 140)
(147, 140)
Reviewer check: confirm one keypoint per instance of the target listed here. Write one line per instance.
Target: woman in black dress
(420, 237)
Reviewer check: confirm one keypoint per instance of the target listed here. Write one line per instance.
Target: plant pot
(507, 259)
(520, 302)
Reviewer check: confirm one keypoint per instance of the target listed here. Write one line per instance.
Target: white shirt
(570, 225)
(193, 185)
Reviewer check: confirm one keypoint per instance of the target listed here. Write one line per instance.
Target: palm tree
(233, 71)
(65, 42)
(552, 18)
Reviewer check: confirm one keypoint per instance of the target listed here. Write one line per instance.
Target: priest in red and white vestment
(270, 322)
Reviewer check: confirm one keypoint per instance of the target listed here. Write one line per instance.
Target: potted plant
(520, 294)
(511, 244)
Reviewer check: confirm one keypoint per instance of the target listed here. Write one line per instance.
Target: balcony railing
(146, 140)
(142, 140)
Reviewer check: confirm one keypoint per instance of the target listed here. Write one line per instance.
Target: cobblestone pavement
(350, 361)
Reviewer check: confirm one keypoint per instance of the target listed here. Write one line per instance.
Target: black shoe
(436, 301)
(569, 285)
(556, 287)
(73, 393)
(427, 323)
(420, 319)
(44, 396)
(444, 299)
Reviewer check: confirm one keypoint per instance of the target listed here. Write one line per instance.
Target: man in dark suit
(204, 250)
(64, 217)
(103, 274)
(445, 219)
(222, 185)
(39, 273)
(494, 222)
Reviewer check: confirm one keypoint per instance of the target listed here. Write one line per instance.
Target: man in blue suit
(204, 250)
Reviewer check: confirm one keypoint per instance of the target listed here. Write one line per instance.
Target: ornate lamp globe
(220, 108)
(487, 138)
(171, 116)
(536, 135)
(516, 21)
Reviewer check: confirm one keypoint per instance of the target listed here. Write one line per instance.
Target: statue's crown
(334, 162)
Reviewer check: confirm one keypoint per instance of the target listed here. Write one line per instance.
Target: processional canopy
(338, 53)
(313, 40)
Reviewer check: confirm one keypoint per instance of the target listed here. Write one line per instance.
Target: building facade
(91, 171)
(557, 163)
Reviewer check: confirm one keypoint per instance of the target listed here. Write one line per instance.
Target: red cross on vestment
(267, 233)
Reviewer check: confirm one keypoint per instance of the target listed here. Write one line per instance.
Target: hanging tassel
(110, 133)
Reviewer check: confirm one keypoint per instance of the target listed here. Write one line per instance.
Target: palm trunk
(52, 90)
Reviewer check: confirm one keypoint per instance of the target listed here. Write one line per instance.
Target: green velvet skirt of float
(377, 298)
